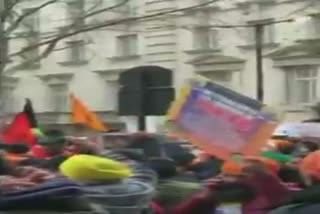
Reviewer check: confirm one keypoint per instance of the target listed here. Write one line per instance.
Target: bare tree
(12, 18)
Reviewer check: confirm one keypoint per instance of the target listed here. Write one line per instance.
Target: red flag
(19, 131)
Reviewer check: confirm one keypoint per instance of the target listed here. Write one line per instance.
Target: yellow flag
(82, 115)
(176, 106)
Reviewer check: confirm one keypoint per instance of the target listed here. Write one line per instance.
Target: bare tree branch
(44, 54)
(12, 27)
(95, 6)
(66, 30)
(51, 46)
(52, 42)
(10, 4)
(124, 2)
(90, 12)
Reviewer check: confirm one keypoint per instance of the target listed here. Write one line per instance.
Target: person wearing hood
(306, 201)
(248, 187)
(171, 189)
(108, 183)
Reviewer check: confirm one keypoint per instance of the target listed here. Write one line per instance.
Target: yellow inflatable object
(93, 168)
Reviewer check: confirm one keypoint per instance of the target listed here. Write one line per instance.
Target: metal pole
(259, 30)
(3, 59)
(142, 123)
(3, 43)
(3, 50)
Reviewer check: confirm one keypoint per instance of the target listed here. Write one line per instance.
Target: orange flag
(82, 115)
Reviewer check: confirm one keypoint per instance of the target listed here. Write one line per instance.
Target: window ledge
(202, 51)
(206, 8)
(297, 107)
(265, 45)
(30, 67)
(27, 34)
(123, 58)
(73, 63)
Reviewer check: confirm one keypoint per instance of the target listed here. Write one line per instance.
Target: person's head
(285, 146)
(183, 160)
(262, 164)
(231, 171)
(165, 168)
(54, 141)
(148, 143)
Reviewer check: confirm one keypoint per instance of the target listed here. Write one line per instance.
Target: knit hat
(93, 168)
(310, 165)
(232, 168)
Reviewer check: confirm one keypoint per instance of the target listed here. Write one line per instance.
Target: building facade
(188, 41)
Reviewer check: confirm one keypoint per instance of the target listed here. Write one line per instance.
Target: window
(128, 9)
(7, 95)
(59, 97)
(204, 1)
(223, 78)
(302, 84)
(76, 11)
(204, 38)
(32, 21)
(31, 57)
(268, 35)
(314, 27)
(127, 45)
(76, 51)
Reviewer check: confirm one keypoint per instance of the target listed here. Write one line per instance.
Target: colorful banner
(221, 121)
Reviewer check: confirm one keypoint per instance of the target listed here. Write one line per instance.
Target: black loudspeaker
(157, 101)
(157, 77)
(145, 90)
(132, 78)
(129, 101)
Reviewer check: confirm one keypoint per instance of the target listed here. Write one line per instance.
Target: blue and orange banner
(221, 121)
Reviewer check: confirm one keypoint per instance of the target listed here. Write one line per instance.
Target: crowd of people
(145, 175)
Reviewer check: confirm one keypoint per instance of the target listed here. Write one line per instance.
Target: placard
(221, 121)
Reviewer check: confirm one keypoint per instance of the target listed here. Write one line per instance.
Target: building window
(59, 97)
(268, 35)
(127, 8)
(8, 97)
(76, 51)
(314, 27)
(302, 84)
(223, 78)
(127, 45)
(32, 21)
(75, 12)
(204, 38)
(31, 58)
(204, 1)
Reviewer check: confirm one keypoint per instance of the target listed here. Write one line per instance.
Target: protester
(147, 174)
(107, 183)
(251, 185)
(307, 200)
